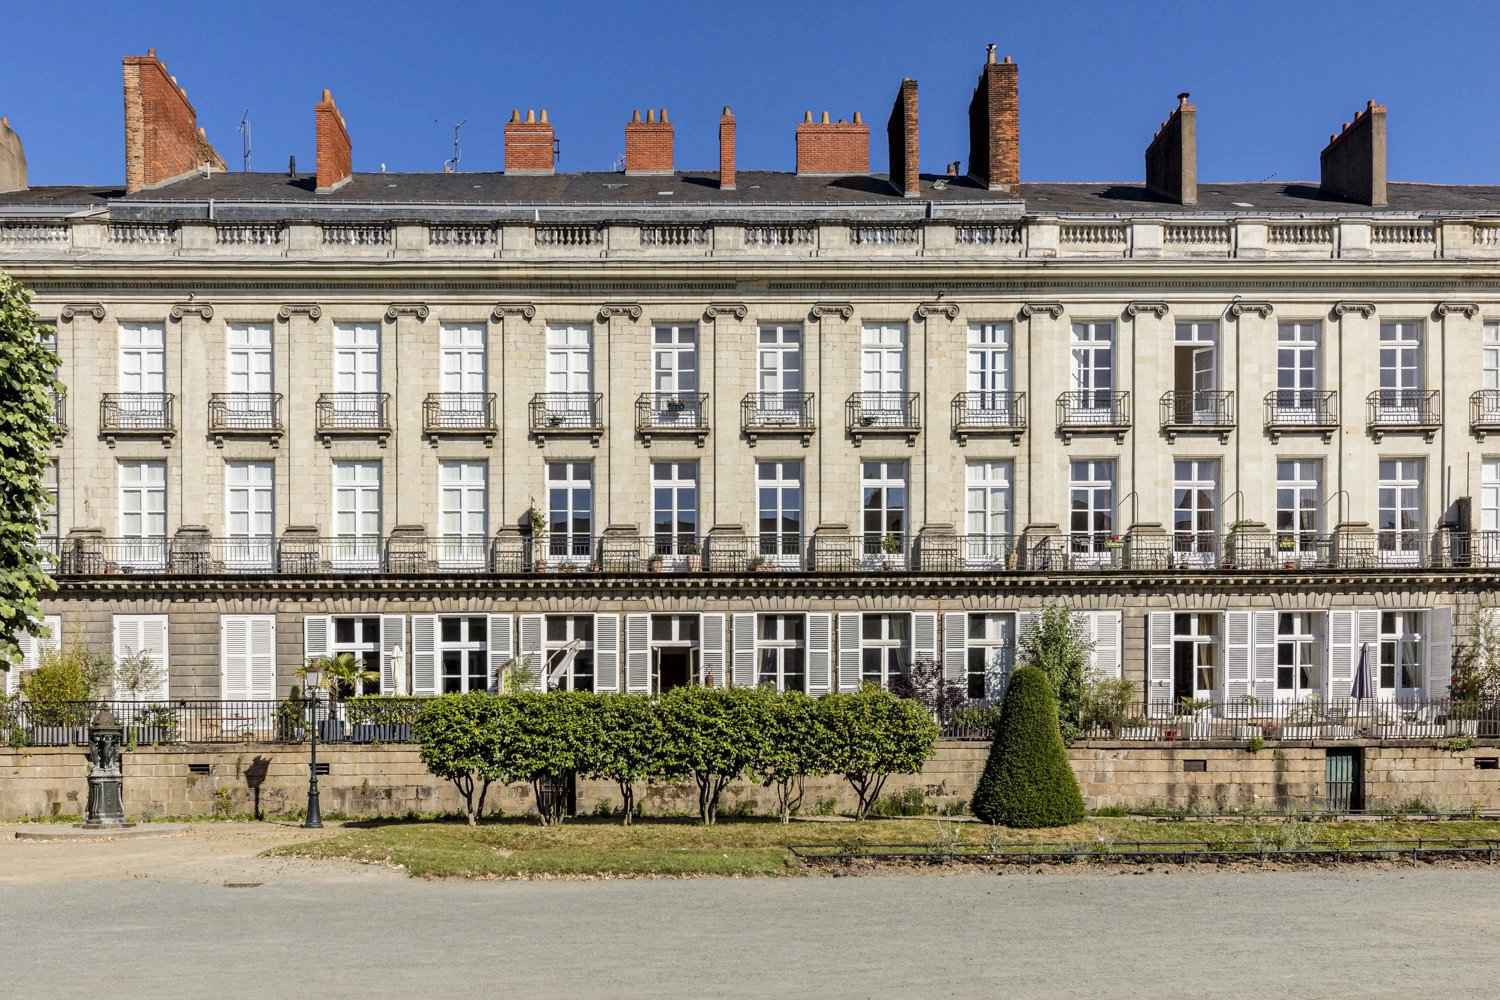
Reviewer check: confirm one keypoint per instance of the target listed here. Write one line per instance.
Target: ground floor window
(1401, 650)
(1296, 654)
(569, 649)
(1195, 654)
(361, 638)
(463, 655)
(885, 648)
(988, 655)
(782, 649)
(674, 651)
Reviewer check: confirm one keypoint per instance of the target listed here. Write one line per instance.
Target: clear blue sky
(1270, 80)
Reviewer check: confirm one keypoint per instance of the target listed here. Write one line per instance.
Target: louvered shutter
(262, 634)
(1159, 658)
(1105, 628)
(154, 644)
(234, 657)
(127, 641)
(1367, 640)
(924, 636)
(50, 638)
(1237, 633)
(1263, 677)
(711, 641)
(1026, 626)
(606, 652)
(744, 650)
(392, 654)
(850, 655)
(819, 652)
(638, 653)
(1342, 656)
(955, 647)
(501, 633)
(1439, 652)
(531, 648)
(424, 655)
(317, 637)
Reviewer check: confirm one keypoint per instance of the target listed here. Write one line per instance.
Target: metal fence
(202, 721)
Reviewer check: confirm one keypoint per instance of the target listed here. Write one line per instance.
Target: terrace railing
(777, 413)
(1301, 411)
(981, 412)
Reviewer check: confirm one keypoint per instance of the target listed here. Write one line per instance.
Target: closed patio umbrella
(1361, 688)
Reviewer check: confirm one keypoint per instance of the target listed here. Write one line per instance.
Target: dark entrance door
(675, 664)
(1345, 779)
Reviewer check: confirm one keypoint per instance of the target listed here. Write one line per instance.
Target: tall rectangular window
(143, 513)
(778, 491)
(461, 359)
(143, 375)
(249, 514)
(463, 512)
(570, 366)
(885, 647)
(356, 370)
(1297, 672)
(1401, 652)
(674, 374)
(249, 378)
(569, 650)
(883, 374)
(1195, 655)
(1195, 510)
(1401, 372)
(1195, 374)
(360, 638)
(1299, 507)
(51, 531)
(1399, 536)
(570, 511)
(1489, 399)
(779, 373)
(676, 653)
(1299, 379)
(463, 656)
(1093, 367)
(1091, 514)
(1489, 497)
(989, 652)
(989, 361)
(782, 648)
(884, 508)
(987, 511)
(674, 508)
(356, 514)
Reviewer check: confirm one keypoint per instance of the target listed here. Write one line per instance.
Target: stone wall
(46, 782)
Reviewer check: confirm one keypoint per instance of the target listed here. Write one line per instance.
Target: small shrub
(138, 675)
(926, 684)
(976, 717)
(712, 735)
(1060, 647)
(795, 746)
(1027, 781)
(911, 802)
(61, 686)
(630, 744)
(463, 739)
(874, 734)
(1256, 744)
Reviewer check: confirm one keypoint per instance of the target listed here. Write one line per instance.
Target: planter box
(331, 731)
(1311, 731)
(1246, 732)
(1461, 727)
(380, 732)
(1138, 732)
(59, 736)
(152, 734)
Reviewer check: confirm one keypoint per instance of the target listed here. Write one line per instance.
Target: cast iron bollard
(106, 808)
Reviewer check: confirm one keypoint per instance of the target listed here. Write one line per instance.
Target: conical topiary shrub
(1027, 780)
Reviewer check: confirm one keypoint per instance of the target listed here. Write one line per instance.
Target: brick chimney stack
(995, 125)
(335, 161)
(901, 130)
(12, 159)
(1172, 157)
(830, 148)
(648, 145)
(726, 150)
(1353, 163)
(530, 145)
(163, 142)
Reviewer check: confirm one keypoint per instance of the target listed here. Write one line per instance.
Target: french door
(779, 374)
(249, 515)
(250, 382)
(463, 513)
(778, 488)
(356, 373)
(989, 375)
(356, 515)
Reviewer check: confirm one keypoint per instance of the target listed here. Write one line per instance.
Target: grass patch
(519, 848)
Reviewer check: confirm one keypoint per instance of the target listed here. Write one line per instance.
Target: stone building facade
(660, 427)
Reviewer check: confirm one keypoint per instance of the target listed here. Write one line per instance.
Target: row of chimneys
(163, 142)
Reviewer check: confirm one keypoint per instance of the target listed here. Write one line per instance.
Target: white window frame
(893, 651)
(463, 499)
(1299, 371)
(1201, 338)
(570, 372)
(556, 651)
(675, 495)
(358, 539)
(1299, 491)
(142, 358)
(1487, 548)
(356, 368)
(775, 646)
(677, 638)
(779, 481)
(1298, 637)
(883, 477)
(142, 513)
(250, 370)
(1195, 511)
(462, 363)
(988, 512)
(674, 373)
(467, 646)
(883, 376)
(574, 480)
(779, 373)
(1093, 370)
(1401, 371)
(1403, 642)
(993, 645)
(1092, 481)
(1204, 631)
(359, 648)
(989, 372)
(249, 514)
(1399, 533)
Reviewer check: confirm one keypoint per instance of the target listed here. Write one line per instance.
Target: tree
(28, 382)
(630, 744)
(795, 746)
(138, 674)
(712, 735)
(1476, 667)
(1027, 781)
(1060, 647)
(554, 734)
(873, 734)
(462, 739)
(926, 684)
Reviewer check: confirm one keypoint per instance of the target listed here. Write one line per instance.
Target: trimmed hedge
(1027, 780)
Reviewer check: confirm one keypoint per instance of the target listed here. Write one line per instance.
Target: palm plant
(337, 674)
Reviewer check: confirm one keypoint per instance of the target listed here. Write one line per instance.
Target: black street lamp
(314, 820)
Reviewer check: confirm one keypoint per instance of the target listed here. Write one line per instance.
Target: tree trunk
(627, 798)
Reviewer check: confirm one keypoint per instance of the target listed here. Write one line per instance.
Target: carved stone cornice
(1030, 309)
(202, 310)
(1239, 307)
(398, 309)
(94, 309)
(736, 309)
(525, 310)
(1365, 309)
(311, 310)
(1157, 309)
(949, 310)
(843, 310)
(629, 310)
(1467, 309)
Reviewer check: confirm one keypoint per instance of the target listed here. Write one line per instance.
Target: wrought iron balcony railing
(897, 413)
(353, 413)
(249, 413)
(671, 413)
(1301, 411)
(459, 413)
(568, 413)
(989, 412)
(1484, 412)
(1093, 411)
(136, 413)
(113, 556)
(1208, 412)
(769, 552)
(1395, 410)
(59, 415)
(776, 413)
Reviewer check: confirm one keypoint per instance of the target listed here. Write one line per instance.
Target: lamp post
(314, 819)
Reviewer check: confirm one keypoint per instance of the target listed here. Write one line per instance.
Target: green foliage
(517, 676)
(978, 717)
(1027, 781)
(630, 744)
(550, 736)
(341, 676)
(1476, 668)
(1060, 648)
(138, 674)
(713, 735)
(1108, 703)
(381, 710)
(463, 739)
(911, 802)
(1256, 743)
(795, 746)
(874, 734)
(67, 679)
(27, 383)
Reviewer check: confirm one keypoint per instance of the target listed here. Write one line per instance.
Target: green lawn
(520, 848)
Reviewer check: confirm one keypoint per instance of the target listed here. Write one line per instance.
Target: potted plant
(655, 564)
(155, 724)
(890, 549)
(1107, 704)
(1114, 543)
(291, 717)
(380, 719)
(1305, 721)
(1200, 722)
(341, 676)
(537, 525)
(1286, 543)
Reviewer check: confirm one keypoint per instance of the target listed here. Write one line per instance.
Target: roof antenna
(245, 141)
(451, 166)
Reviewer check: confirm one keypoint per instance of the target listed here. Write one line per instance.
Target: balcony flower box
(380, 732)
(58, 736)
(1113, 543)
(1461, 727)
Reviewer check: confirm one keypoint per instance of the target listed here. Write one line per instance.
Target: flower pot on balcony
(656, 564)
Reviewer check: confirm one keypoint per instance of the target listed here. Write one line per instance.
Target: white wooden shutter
(955, 647)
(819, 652)
(1263, 677)
(234, 657)
(1367, 639)
(1237, 652)
(711, 641)
(606, 652)
(392, 654)
(1439, 652)
(127, 641)
(1159, 658)
(32, 647)
(154, 644)
(638, 653)
(262, 633)
(1105, 630)
(1342, 656)
(424, 655)
(49, 639)
(850, 657)
(501, 632)
(317, 637)
(531, 648)
(1026, 626)
(924, 636)
(744, 650)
